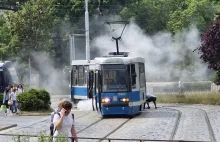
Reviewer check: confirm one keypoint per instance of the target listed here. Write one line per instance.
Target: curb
(7, 127)
(34, 114)
(14, 128)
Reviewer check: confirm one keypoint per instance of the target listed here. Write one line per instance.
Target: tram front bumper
(116, 108)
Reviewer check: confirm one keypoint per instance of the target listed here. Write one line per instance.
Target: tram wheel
(76, 101)
(140, 109)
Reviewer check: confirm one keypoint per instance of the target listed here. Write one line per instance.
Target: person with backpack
(56, 111)
(64, 124)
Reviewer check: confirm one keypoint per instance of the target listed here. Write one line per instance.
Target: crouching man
(151, 98)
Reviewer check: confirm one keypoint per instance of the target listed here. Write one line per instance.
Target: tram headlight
(106, 100)
(124, 100)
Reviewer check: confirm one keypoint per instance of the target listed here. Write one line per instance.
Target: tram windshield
(115, 78)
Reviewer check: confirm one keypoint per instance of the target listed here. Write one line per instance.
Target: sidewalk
(5, 126)
(17, 122)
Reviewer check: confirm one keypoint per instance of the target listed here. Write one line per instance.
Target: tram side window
(142, 75)
(75, 75)
(85, 74)
(81, 76)
(133, 76)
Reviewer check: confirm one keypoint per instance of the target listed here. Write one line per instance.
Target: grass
(206, 98)
(37, 112)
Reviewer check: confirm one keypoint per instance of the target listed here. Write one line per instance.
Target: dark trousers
(6, 104)
(14, 106)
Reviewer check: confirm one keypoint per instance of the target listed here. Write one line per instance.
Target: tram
(8, 75)
(119, 84)
(79, 80)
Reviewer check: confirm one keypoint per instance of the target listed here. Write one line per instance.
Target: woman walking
(5, 99)
(13, 98)
(20, 89)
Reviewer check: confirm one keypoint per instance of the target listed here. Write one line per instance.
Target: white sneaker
(5, 114)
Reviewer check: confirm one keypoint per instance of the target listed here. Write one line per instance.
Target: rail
(18, 137)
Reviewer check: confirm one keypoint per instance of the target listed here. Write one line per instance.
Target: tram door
(94, 89)
(90, 87)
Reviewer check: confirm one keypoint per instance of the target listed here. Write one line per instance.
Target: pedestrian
(151, 98)
(180, 86)
(56, 111)
(5, 99)
(20, 89)
(14, 102)
(64, 124)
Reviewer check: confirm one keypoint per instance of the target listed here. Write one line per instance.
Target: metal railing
(19, 136)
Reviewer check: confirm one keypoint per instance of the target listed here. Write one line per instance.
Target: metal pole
(29, 65)
(117, 46)
(87, 30)
(71, 48)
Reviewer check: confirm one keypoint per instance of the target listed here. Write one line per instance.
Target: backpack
(52, 130)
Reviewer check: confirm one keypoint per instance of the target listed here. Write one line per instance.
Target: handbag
(9, 102)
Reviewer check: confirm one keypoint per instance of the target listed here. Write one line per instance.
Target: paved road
(151, 124)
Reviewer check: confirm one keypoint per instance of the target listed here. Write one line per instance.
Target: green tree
(5, 38)
(199, 13)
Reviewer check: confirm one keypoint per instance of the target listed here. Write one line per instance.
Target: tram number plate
(115, 98)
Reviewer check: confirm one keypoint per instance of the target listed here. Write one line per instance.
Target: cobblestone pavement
(153, 124)
(156, 124)
(102, 128)
(192, 126)
(214, 118)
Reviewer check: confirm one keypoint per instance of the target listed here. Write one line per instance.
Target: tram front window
(115, 78)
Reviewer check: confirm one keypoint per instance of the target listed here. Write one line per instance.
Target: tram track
(210, 129)
(106, 136)
(115, 130)
(176, 125)
(211, 132)
(90, 125)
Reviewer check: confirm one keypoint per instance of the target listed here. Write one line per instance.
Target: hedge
(1, 99)
(34, 100)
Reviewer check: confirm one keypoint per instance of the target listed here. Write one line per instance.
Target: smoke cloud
(50, 78)
(167, 57)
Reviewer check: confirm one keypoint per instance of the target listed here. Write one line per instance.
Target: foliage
(34, 100)
(45, 97)
(44, 25)
(210, 47)
(191, 12)
(195, 98)
(1, 99)
(160, 15)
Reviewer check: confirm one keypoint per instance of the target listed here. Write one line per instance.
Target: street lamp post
(87, 30)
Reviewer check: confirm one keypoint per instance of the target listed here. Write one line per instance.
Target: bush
(34, 92)
(45, 97)
(34, 100)
(1, 99)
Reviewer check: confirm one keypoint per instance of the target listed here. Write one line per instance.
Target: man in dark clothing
(151, 98)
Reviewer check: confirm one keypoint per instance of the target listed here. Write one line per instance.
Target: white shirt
(20, 90)
(65, 130)
(13, 96)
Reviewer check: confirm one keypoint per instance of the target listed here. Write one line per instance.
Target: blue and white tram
(79, 80)
(120, 84)
(8, 75)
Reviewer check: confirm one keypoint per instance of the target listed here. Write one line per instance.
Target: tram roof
(82, 62)
(119, 60)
